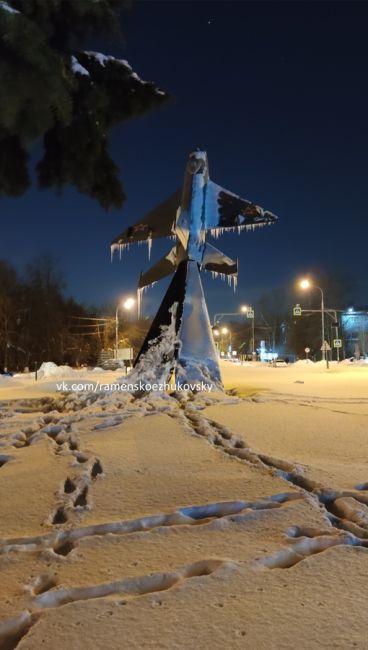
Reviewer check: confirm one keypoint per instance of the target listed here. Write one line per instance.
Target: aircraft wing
(217, 262)
(223, 209)
(160, 270)
(159, 222)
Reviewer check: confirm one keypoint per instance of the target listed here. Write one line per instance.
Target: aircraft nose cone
(196, 165)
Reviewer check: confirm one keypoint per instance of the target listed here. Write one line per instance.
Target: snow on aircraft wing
(159, 222)
(224, 210)
(217, 262)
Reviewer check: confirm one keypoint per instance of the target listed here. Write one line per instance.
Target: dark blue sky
(277, 95)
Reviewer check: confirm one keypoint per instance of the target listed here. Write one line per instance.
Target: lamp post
(306, 284)
(127, 304)
(225, 331)
(216, 334)
(249, 312)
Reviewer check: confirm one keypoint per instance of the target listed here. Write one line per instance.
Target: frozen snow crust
(186, 520)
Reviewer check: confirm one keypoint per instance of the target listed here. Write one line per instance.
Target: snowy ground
(166, 522)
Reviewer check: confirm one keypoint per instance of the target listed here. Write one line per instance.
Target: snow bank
(354, 362)
(50, 369)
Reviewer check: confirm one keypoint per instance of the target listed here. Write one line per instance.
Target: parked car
(279, 363)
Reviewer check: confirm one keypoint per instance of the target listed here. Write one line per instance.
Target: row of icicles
(215, 232)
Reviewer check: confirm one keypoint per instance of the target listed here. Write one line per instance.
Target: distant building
(355, 327)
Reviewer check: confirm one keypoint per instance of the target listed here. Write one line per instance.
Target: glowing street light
(249, 312)
(127, 305)
(225, 331)
(307, 284)
(216, 334)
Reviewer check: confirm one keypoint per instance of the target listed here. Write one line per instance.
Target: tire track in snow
(341, 514)
(129, 587)
(13, 630)
(63, 542)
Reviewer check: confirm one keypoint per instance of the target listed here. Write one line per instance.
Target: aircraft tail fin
(165, 266)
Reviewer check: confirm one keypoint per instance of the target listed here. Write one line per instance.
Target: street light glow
(128, 303)
(216, 332)
(224, 330)
(305, 283)
(244, 308)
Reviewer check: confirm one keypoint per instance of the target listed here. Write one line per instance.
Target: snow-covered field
(176, 522)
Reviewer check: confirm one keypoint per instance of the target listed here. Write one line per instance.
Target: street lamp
(226, 331)
(127, 304)
(216, 334)
(306, 284)
(249, 312)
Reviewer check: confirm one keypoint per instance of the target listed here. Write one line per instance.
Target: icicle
(147, 286)
(120, 248)
(113, 248)
(216, 232)
(140, 292)
(149, 244)
(139, 302)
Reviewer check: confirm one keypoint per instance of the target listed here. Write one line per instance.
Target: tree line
(39, 322)
(36, 318)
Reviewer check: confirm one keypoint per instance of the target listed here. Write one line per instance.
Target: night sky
(276, 93)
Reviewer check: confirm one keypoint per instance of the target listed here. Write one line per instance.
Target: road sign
(297, 310)
(325, 347)
(307, 350)
(250, 313)
(337, 343)
(125, 354)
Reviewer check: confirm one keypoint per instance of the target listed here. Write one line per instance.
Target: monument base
(180, 339)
